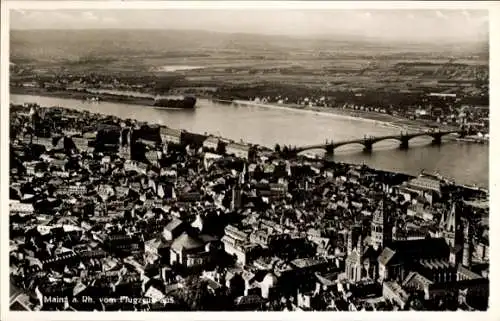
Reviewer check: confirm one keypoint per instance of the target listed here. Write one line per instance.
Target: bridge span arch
(432, 135)
(358, 142)
(368, 143)
(398, 139)
(329, 147)
(310, 148)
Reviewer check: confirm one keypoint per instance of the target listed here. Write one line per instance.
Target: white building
(15, 207)
(170, 135)
(135, 166)
(238, 150)
(211, 143)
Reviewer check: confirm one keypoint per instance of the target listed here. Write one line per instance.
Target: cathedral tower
(451, 229)
(450, 226)
(125, 145)
(236, 198)
(352, 238)
(467, 251)
(381, 230)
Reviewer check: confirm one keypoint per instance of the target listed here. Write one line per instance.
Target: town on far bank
(446, 106)
(111, 214)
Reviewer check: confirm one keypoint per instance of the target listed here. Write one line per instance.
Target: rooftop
(187, 242)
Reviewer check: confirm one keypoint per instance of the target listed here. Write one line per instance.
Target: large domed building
(189, 251)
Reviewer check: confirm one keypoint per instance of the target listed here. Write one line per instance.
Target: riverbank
(265, 149)
(467, 162)
(147, 100)
(382, 119)
(81, 95)
(379, 118)
(94, 96)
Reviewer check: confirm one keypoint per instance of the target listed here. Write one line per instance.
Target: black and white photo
(247, 159)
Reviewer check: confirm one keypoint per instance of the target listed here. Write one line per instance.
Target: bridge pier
(405, 143)
(436, 140)
(368, 147)
(329, 151)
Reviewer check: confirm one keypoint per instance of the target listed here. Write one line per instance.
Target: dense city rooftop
(153, 218)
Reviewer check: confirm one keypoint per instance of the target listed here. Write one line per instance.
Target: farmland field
(242, 60)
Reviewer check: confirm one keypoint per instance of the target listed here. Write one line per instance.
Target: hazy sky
(427, 24)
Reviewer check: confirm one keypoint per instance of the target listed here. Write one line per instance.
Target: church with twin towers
(383, 251)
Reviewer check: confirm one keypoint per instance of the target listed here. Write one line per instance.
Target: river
(466, 163)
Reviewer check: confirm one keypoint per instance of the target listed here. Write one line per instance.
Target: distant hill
(64, 45)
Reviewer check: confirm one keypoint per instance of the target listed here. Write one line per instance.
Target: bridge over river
(368, 142)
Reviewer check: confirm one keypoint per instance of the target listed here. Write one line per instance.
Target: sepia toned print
(233, 160)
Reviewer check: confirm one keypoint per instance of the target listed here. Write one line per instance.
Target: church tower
(450, 226)
(452, 232)
(381, 231)
(125, 143)
(35, 121)
(352, 238)
(354, 262)
(467, 251)
(360, 249)
(236, 197)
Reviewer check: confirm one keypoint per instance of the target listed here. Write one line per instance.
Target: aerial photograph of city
(253, 159)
